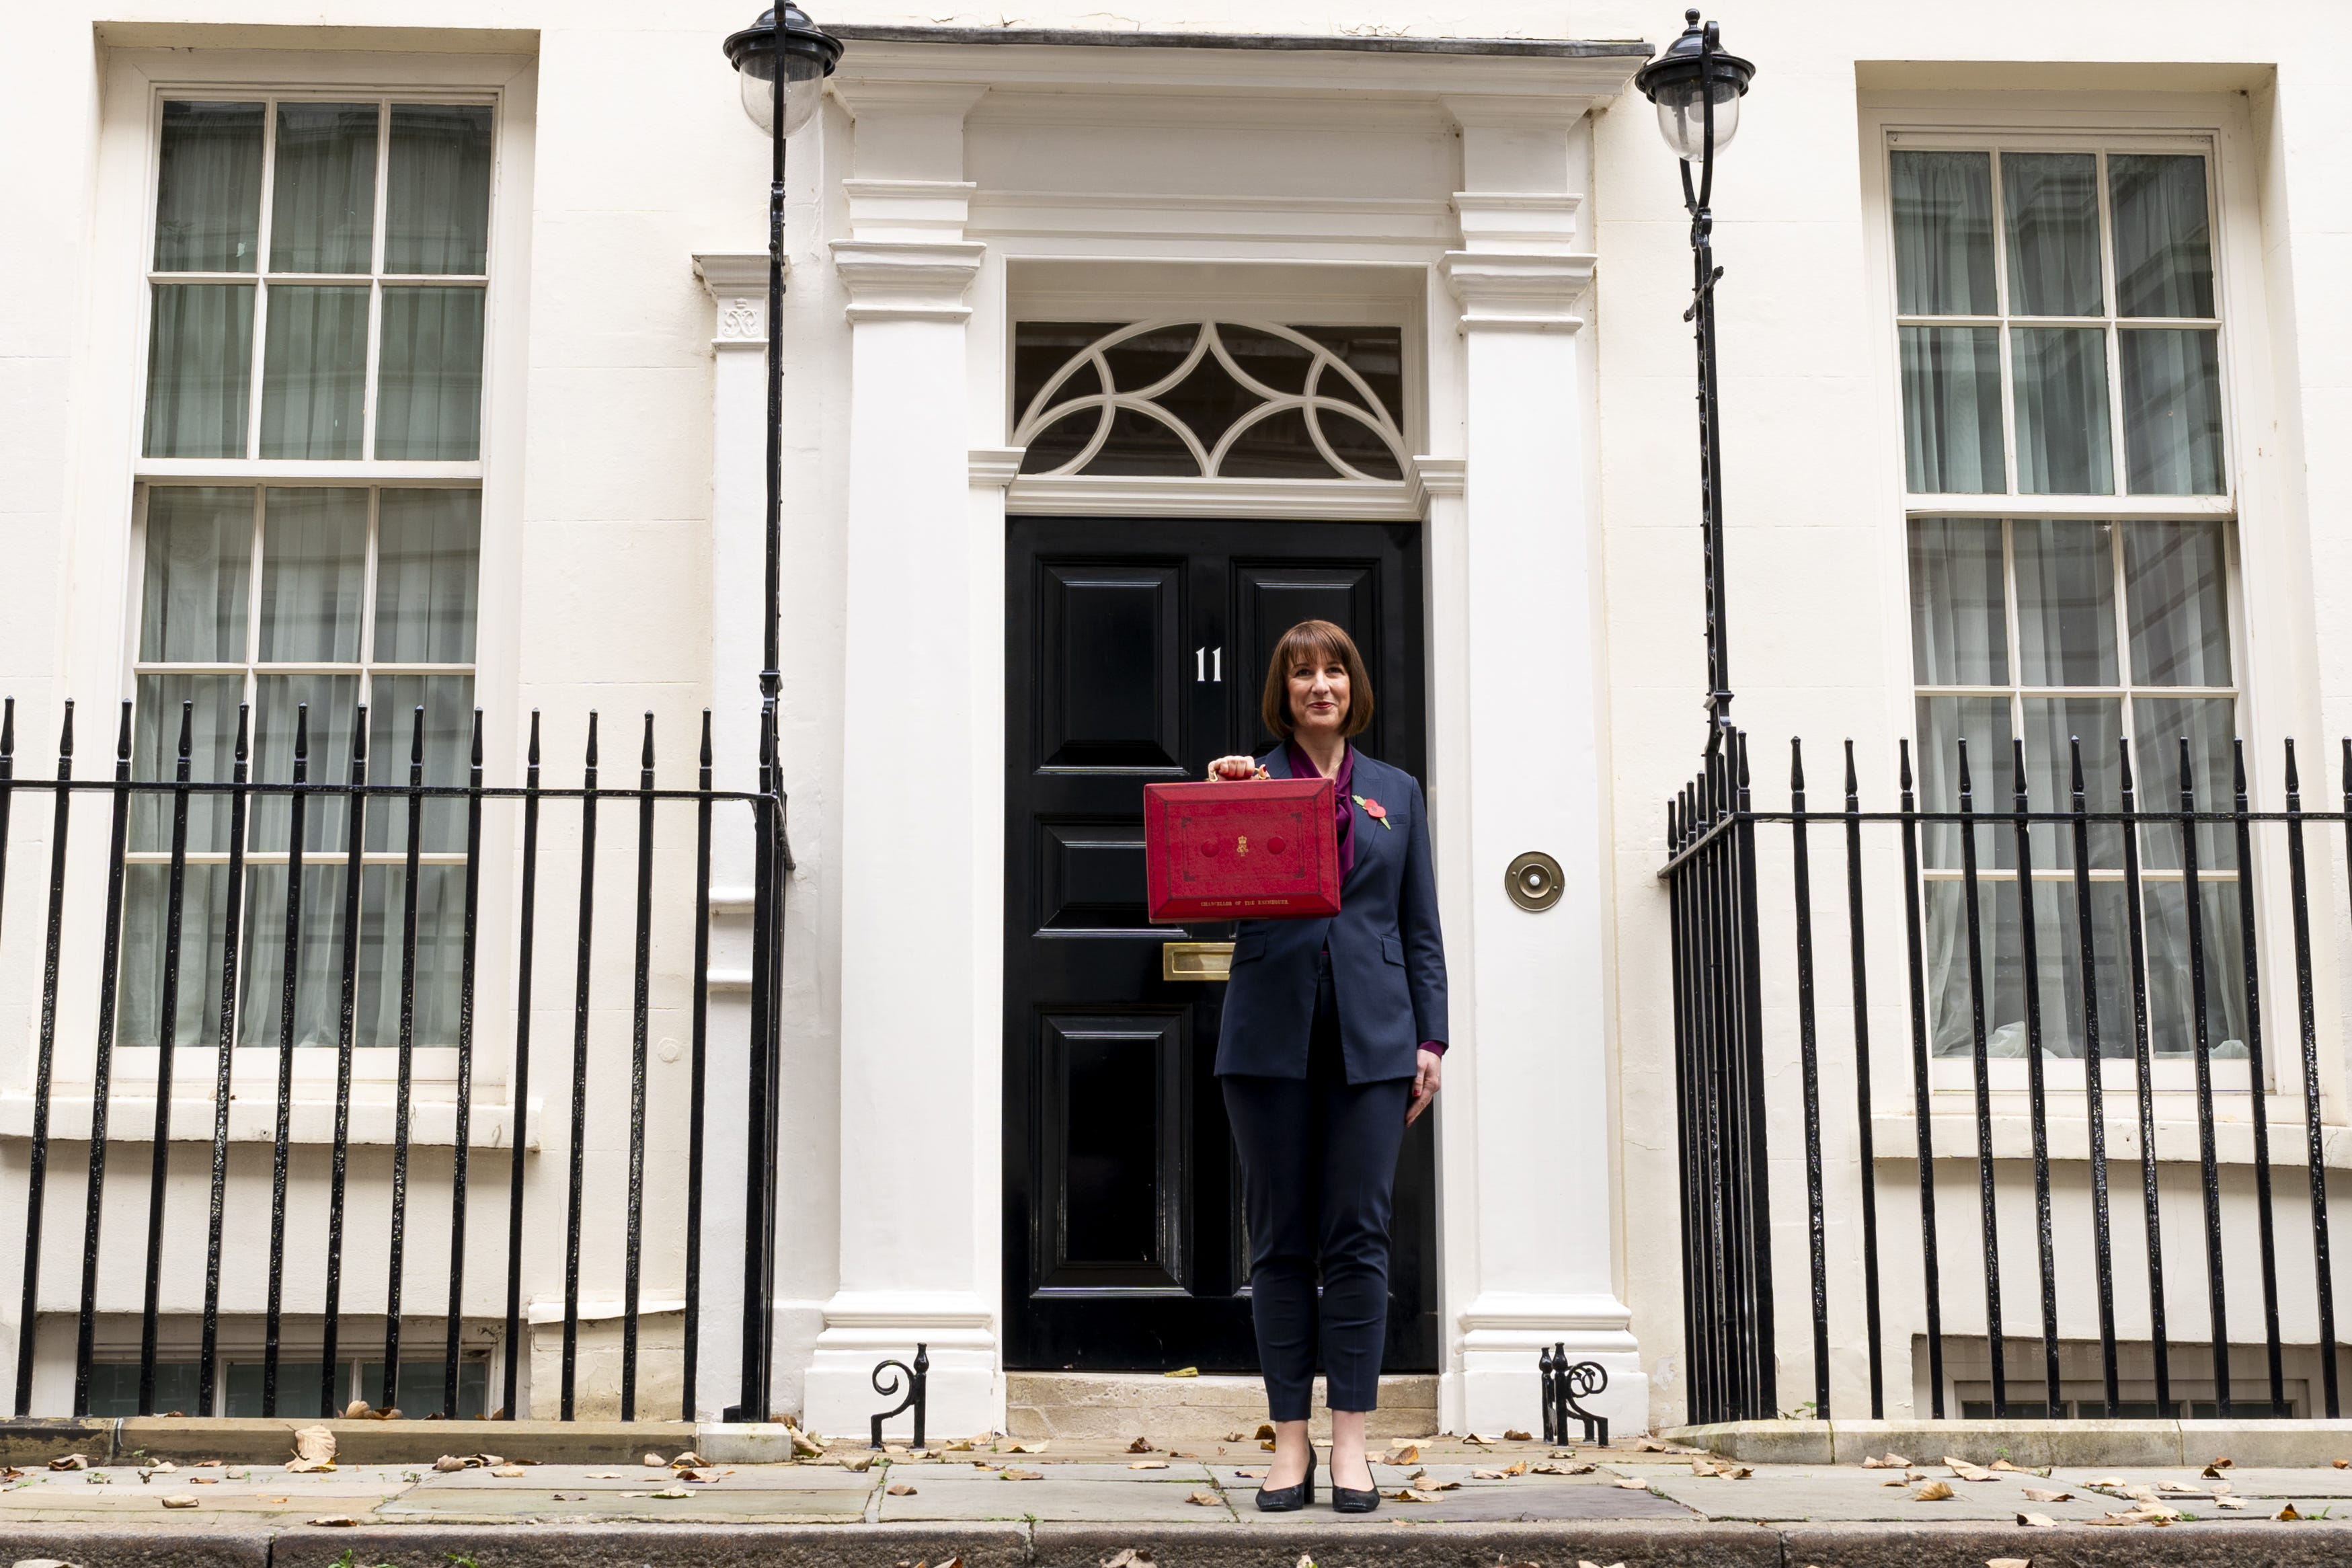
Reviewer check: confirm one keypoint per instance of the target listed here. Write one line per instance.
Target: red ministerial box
(1259, 849)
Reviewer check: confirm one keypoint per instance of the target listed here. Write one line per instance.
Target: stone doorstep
(2316, 1544)
(260, 1442)
(2284, 1445)
(1099, 1406)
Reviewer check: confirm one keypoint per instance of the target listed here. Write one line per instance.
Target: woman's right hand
(1232, 770)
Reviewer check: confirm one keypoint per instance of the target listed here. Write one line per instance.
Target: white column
(919, 1180)
(1538, 1217)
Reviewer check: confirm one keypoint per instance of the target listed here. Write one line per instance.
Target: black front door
(1137, 652)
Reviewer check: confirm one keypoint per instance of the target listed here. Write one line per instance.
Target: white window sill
(1952, 1131)
(253, 1119)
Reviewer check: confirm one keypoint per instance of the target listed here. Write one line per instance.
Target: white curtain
(429, 388)
(2050, 204)
(322, 196)
(437, 190)
(314, 372)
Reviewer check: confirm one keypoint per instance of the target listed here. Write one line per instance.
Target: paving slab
(2246, 1481)
(704, 1504)
(1797, 1493)
(1106, 1500)
(1190, 1472)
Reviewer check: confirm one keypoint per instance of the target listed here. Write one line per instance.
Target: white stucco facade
(1514, 213)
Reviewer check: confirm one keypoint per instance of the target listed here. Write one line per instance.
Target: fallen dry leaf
(2038, 1521)
(689, 1461)
(1583, 1469)
(181, 1499)
(509, 1472)
(1632, 1485)
(2340, 1464)
(901, 1490)
(1934, 1491)
(1206, 1500)
(2229, 1502)
(1478, 1437)
(1247, 1475)
(1183, 1371)
(858, 1464)
(308, 1467)
(1268, 1445)
(314, 1443)
(654, 1462)
(1012, 1475)
(449, 1462)
(2286, 1515)
(1887, 1462)
(1497, 1474)
(1407, 1494)
(1181, 1454)
(1038, 1447)
(1265, 1429)
(337, 1521)
(960, 1445)
(2005, 1465)
(1518, 1469)
(671, 1493)
(2036, 1494)
(2009, 1562)
(2222, 1461)
(1514, 1436)
(204, 1480)
(603, 1475)
(355, 1410)
(1580, 1562)
(1967, 1472)
(1407, 1455)
(1148, 1465)
(69, 1462)
(1141, 1445)
(161, 1467)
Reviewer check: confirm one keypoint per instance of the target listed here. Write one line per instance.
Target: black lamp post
(1697, 88)
(781, 61)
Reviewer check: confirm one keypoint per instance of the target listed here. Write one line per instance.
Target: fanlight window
(1210, 400)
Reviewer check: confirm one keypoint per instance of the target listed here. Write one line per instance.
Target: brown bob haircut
(1317, 643)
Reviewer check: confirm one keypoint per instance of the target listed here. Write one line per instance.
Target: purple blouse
(1343, 807)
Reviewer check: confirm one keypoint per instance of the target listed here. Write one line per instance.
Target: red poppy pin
(1373, 809)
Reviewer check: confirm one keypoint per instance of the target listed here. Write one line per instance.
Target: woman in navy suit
(1332, 1041)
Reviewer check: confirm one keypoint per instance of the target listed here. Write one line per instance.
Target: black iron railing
(2148, 922)
(323, 839)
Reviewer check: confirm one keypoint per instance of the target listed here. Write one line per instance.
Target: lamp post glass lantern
(1696, 89)
(781, 62)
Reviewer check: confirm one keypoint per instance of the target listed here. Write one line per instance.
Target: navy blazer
(1388, 959)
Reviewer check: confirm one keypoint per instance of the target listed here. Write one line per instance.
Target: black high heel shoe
(1290, 1499)
(1353, 1499)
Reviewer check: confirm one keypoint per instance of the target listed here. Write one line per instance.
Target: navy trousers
(1318, 1161)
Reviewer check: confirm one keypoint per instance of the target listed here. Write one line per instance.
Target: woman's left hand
(1427, 1072)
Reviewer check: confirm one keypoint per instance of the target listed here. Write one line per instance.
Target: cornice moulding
(1516, 292)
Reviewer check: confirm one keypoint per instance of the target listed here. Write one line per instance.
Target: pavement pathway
(1508, 1503)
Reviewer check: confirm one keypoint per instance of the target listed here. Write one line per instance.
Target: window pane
(1951, 1025)
(314, 373)
(146, 931)
(437, 192)
(212, 755)
(2164, 254)
(2052, 726)
(448, 704)
(208, 187)
(420, 1386)
(2051, 201)
(2058, 935)
(1943, 234)
(277, 713)
(2172, 1003)
(318, 992)
(440, 930)
(314, 575)
(2173, 581)
(1951, 411)
(2065, 602)
(199, 569)
(322, 192)
(1983, 723)
(114, 1388)
(2159, 724)
(428, 551)
(1959, 634)
(298, 1381)
(2063, 445)
(2172, 411)
(199, 369)
(429, 398)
